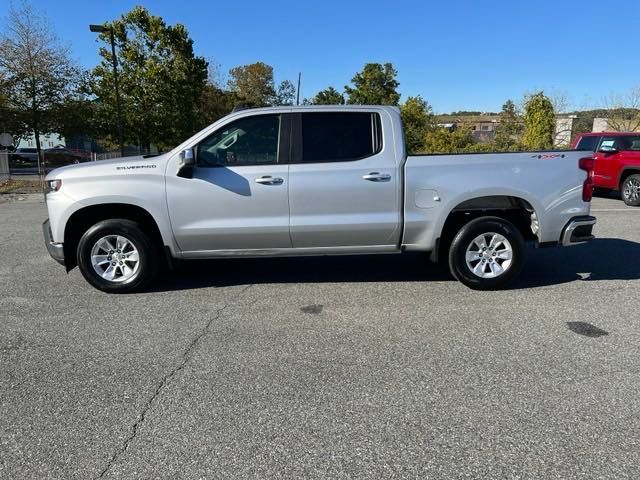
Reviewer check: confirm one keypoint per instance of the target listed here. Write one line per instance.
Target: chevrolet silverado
(314, 180)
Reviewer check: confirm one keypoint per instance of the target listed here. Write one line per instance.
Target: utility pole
(298, 89)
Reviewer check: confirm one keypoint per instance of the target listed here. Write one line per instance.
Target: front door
(605, 174)
(237, 198)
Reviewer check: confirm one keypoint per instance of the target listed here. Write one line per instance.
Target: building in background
(616, 124)
(483, 126)
(564, 130)
(600, 124)
(50, 140)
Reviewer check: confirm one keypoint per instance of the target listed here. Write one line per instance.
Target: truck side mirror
(187, 161)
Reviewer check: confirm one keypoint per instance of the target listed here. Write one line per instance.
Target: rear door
(344, 182)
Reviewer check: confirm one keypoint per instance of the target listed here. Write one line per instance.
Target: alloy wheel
(115, 258)
(489, 255)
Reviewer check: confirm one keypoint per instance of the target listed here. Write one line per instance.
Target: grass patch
(20, 186)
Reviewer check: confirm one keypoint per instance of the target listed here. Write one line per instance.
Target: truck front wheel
(631, 190)
(487, 253)
(116, 255)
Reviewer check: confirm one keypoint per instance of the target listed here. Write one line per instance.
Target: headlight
(54, 185)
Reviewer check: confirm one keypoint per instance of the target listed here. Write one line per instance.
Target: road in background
(345, 367)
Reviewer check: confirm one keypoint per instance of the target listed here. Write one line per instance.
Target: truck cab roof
(608, 134)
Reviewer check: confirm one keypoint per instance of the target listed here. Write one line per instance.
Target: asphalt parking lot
(363, 367)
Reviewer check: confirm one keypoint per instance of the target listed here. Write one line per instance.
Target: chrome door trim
(292, 252)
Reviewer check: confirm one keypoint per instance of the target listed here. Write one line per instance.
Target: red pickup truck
(617, 165)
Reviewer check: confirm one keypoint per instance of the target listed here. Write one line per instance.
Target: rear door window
(629, 143)
(340, 136)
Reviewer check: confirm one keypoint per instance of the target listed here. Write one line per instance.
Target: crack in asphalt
(186, 356)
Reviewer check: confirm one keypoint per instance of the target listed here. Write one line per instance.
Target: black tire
(464, 240)
(629, 190)
(148, 258)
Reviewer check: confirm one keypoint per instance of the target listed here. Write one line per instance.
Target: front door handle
(269, 180)
(377, 177)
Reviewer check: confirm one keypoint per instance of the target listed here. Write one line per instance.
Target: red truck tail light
(587, 164)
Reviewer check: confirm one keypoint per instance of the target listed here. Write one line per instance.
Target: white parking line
(615, 210)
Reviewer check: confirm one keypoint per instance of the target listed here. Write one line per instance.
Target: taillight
(587, 164)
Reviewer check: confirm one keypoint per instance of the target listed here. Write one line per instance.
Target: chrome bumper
(56, 250)
(578, 230)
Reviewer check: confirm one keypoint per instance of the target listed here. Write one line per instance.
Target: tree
(253, 84)
(215, 101)
(328, 96)
(214, 104)
(563, 123)
(11, 121)
(509, 129)
(539, 122)
(624, 111)
(161, 80)
(285, 93)
(375, 85)
(442, 140)
(36, 71)
(417, 119)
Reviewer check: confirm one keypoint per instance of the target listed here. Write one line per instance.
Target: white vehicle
(333, 180)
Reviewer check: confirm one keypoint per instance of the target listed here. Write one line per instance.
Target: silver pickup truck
(293, 181)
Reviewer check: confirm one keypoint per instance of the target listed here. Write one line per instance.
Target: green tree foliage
(214, 104)
(11, 120)
(375, 85)
(285, 93)
(509, 129)
(442, 140)
(76, 119)
(539, 122)
(36, 73)
(328, 96)
(465, 113)
(583, 122)
(417, 120)
(161, 80)
(253, 84)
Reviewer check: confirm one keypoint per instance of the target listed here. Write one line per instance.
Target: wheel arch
(513, 208)
(627, 172)
(82, 219)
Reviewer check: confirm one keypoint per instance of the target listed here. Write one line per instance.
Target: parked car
(61, 156)
(318, 180)
(617, 166)
(24, 157)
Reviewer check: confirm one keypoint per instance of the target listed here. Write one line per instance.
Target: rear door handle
(377, 177)
(269, 180)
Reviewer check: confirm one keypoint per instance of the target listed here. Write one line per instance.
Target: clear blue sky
(462, 54)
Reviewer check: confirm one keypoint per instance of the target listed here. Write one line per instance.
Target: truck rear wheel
(631, 190)
(487, 253)
(117, 255)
